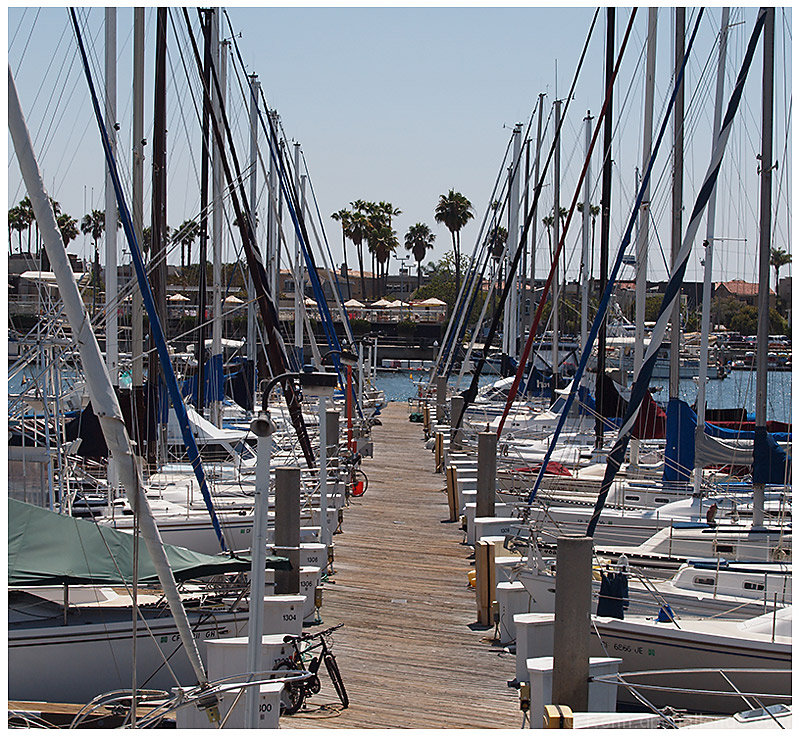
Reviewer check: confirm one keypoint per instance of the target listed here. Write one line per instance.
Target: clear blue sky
(404, 104)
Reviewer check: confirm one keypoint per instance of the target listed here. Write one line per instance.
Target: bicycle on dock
(310, 651)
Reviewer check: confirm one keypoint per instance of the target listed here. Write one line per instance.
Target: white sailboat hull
(647, 646)
(74, 663)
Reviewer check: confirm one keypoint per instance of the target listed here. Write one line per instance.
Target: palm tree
(186, 235)
(17, 220)
(496, 240)
(93, 225)
(345, 218)
(359, 227)
(454, 211)
(68, 226)
(548, 221)
(778, 258)
(27, 212)
(418, 240)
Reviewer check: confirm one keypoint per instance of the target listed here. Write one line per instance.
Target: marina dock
(411, 654)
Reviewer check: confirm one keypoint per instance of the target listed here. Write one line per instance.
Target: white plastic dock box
(490, 526)
(512, 598)
(310, 577)
(534, 639)
(283, 614)
(227, 656)
(602, 696)
(269, 710)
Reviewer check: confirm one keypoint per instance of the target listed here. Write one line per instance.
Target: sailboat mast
(677, 205)
(510, 322)
(587, 193)
(768, 80)
(644, 212)
(535, 219)
(137, 177)
(298, 270)
(522, 321)
(112, 343)
(705, 319)
(158, 214)
(605, 220)
(202, 289)
(556, 231)
(251, 305)
(218, 55)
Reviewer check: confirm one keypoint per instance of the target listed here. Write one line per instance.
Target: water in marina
(738, 389)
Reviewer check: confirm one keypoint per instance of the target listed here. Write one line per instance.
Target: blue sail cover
(771, 464)
(679, 455)
(213, 379)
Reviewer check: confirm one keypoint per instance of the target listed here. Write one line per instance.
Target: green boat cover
(46, 549)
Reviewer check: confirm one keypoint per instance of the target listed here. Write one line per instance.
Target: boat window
(631, 498)
(720, 548)
(703, 581)
(662, 500)
(753, 586)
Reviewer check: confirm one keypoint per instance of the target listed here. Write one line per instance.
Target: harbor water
(735, 390)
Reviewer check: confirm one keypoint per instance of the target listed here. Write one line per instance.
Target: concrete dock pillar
(572, 622)
(456, 407)
(441, 398)
(487, 474)
(287, 527)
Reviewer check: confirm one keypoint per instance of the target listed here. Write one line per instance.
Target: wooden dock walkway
(410, 653)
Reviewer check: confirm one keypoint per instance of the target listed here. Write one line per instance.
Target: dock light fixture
(345, 357)
(318, 383)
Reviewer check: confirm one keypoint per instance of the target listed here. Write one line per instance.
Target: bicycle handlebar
(312, 635)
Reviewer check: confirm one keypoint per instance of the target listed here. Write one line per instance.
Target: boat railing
(753, 699)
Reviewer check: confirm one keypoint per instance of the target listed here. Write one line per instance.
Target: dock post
(441, 398)
(456, 407)
(487, 474)
(572, 622)
(287, 527)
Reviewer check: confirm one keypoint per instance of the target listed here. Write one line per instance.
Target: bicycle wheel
(360, 483)
(294, 692)
(336, 678)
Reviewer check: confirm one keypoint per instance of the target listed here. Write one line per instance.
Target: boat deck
(411, 654)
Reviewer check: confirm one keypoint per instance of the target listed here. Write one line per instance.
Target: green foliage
(652, 304)
(778, 325)
(778, 258)
(359, 326)
(442, 285)
(739, 316)
(406, 327)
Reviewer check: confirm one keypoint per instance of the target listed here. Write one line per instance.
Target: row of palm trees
(22, 220)
(370, 224)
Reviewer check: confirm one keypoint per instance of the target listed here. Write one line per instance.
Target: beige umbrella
(178, 298)
(232, 299)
